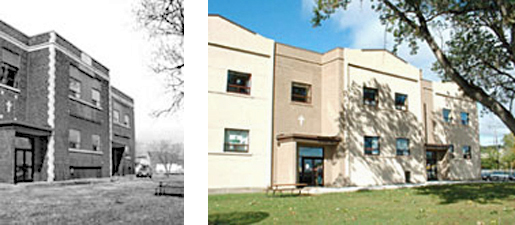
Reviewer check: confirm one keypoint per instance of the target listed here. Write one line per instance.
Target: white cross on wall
(301, 120)
(9, 105)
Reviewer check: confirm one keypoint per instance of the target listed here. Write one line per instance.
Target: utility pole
(494, 126)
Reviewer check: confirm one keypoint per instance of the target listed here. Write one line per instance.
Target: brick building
(56, 105)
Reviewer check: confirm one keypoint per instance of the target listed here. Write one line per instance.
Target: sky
(105, 30)
(288, 22)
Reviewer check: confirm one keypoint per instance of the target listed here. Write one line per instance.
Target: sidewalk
(325, 190)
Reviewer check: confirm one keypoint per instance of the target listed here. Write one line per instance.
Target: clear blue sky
(288, 22)
(284, 21)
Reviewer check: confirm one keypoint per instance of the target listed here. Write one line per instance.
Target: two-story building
(346, 117)
(55, 110)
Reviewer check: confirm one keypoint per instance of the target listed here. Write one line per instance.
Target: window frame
(403, 107)
(97, 103)
(126, 120)
(93, 142)
(402, 151)
(5, 74)
(449, 119)
(78, 144)
(116, 119)
(248, 86)
(308, 92)
(371, 149)
(467, 122)
(376, 97)
(76, 93)
(467, 155)
(247, 146)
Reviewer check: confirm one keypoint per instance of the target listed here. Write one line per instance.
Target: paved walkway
(325, 190)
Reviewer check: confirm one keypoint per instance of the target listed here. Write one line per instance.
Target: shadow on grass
(236, 218)
(478, 193)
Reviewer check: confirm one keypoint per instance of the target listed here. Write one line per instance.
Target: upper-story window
(370, 96)
(126, 120)
(464, 118)
(236, 140)
(95, 142)
(116, 116)
(446, 115)
(466, 152)
(9, 68)
(74, 139)
(238, 82)
(75, 88)
(401, 101)
(372, 146)
(300, 92)
(403, 146)
(95, 97)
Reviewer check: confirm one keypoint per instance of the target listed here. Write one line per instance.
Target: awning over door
(437, 147)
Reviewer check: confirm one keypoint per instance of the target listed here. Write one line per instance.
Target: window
(238, 82)
(116, 116)
(9, 68)
(236, 140)
(126, 120)
(372, 146)
(370, 96)
(451, 148)
(464, 118)
(95, 141)
(466, 152)
(74, 139)
(95, 97)
(75, 87)
(446, 115)
(401, 101)
(403, 146)
(300, 92)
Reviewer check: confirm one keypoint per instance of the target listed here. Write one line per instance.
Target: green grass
(450, 204)
(121, 202)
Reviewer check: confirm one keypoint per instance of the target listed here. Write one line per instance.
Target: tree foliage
(164, 22)
(166, 153)
(478, 55)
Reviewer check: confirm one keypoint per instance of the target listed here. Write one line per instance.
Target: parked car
(499, 176)
(485, 175)
(512, 176)
(144, 171)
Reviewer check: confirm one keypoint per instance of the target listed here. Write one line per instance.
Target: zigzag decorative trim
(51, 109)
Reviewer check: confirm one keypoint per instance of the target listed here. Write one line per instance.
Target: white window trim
(10, 88)
(85, 103)
(85, 151)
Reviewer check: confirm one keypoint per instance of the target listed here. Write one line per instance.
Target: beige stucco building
(345, 117)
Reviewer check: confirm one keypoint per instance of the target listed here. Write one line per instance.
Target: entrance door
(117, 159)
(431, 168)
(23, 160)
(311, 166)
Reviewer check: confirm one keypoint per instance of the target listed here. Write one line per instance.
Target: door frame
(298, 173)
(16, 150)
(435, 159)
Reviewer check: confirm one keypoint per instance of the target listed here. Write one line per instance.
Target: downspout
(273, 118)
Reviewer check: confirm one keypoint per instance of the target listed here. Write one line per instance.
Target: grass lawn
(450, 204)
(126, 201)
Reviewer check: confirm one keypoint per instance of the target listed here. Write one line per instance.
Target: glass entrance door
(311, 166)
(431, 168)
(24, 167)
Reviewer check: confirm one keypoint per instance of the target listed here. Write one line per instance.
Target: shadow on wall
(237, 218)
(478, 193)
(387, 123)
(458, 135)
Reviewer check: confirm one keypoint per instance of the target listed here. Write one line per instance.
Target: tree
(509, 145)
(479, 55)
(167, 154)
(164, 22)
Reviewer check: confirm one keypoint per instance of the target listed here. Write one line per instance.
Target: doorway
(311, 165)
(117, 156)
(431, 167)
(23, 160)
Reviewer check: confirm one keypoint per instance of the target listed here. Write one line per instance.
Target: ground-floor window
(403, 146)
(372, 145)
(236, 140)
(466, 152)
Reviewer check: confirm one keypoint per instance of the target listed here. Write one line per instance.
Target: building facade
(55, 110)
(240, 93)
(345, 117)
